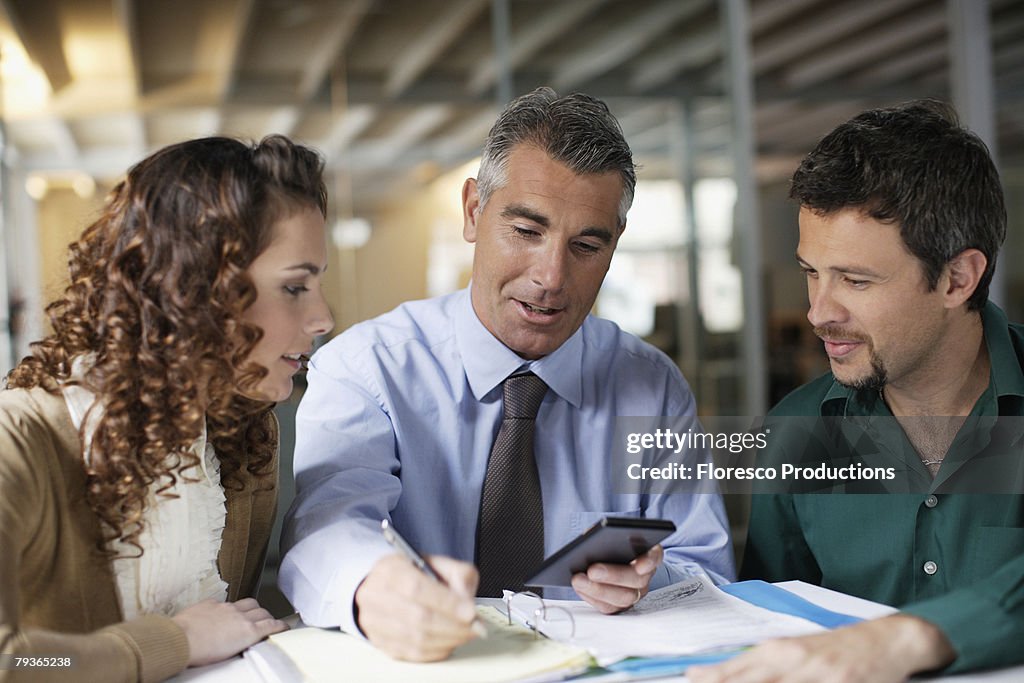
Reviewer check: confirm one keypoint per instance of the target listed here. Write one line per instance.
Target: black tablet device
(615, 540)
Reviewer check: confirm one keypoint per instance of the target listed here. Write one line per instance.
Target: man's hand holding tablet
(611, 564)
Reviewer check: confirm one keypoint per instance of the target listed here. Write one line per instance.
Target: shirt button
(931, 501)
(930, 567)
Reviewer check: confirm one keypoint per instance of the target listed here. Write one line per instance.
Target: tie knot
(523, 395)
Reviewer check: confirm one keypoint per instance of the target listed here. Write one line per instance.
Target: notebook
(509, 653)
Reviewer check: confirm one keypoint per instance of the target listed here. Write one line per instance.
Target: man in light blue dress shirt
(401, 411)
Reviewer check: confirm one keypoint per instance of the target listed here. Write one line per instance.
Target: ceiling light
(351, 233)
(36, 186)
(83, 185)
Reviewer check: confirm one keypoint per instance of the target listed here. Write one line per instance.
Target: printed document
(685, 618)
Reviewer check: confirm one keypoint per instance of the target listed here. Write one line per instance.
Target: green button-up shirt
(954, 559)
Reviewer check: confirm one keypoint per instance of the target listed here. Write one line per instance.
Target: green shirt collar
(1006, 378)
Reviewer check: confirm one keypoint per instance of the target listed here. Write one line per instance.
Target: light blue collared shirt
(398, 422)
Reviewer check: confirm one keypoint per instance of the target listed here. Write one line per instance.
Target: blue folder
(777, 599)
(758, 593)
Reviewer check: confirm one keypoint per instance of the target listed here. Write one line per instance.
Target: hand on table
(886, 650)
(616, 587)
(218, 630)
(411, 616)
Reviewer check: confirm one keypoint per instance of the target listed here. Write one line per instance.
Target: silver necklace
(927, 462)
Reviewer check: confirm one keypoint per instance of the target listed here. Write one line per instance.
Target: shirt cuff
(330, 601)
(978, 630)
(160, 646)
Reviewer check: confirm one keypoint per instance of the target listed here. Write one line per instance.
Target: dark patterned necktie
(510, 530)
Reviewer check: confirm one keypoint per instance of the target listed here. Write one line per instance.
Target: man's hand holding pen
(411, 616)
(418, 608)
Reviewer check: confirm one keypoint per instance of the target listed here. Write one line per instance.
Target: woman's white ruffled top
(181, 536)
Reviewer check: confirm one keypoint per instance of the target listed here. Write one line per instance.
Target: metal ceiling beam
(747, 229)
(469, 135)
(126, 15)
(413, 128)
(1009, 56)
(883, 41)
(501, 28)
(106, 164)
(970, 49)
(1009, 82)
(622, 42)
(185, 122)
(35, 23)
(396, 151)
(433, 40)
(642, 118)
(138, 135)
(1000, 4)
(44, 136)
(325, 55)
(774, 90)
(706, 114)
(283, 120)
(332, 47)
(664, 64)
(774, 111)
(656, 137)
(223, 30)
(347, 127)
(222, 53)
(803, 127)
(64, 141)
(1008, 29)
(418, 124)
(894, 69)
(820, 29)
(768, 14)
(544, 27)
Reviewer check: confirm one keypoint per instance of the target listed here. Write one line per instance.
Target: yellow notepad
(509, 653)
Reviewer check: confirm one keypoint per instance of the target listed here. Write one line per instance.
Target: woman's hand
(218, 630)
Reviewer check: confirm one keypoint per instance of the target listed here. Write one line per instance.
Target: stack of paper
(684, 618)
(509, 653)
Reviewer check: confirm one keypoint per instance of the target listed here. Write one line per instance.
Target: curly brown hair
(156, 293)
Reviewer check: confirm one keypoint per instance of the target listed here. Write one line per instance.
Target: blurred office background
(718, 98)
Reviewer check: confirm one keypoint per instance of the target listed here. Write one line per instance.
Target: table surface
(241, 670)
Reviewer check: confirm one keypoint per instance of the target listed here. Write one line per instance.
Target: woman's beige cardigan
(57, 593)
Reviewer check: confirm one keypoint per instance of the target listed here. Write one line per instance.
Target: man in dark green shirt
(901, 219)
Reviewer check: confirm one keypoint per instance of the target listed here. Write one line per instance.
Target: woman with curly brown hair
(138, 450)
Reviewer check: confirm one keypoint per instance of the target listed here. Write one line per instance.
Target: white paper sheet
(685, 618)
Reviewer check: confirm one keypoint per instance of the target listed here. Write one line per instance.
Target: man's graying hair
(916, 167)
(576, 130)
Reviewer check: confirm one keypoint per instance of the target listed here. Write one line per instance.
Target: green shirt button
(931, 501)
(930, 567)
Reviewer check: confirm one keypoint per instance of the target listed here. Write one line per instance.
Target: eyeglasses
(553, 621)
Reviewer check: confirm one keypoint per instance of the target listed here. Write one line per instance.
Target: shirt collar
(835, 401)
(1006, 378)
(488, 361)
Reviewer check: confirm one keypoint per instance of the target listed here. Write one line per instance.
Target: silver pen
(402, 546)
